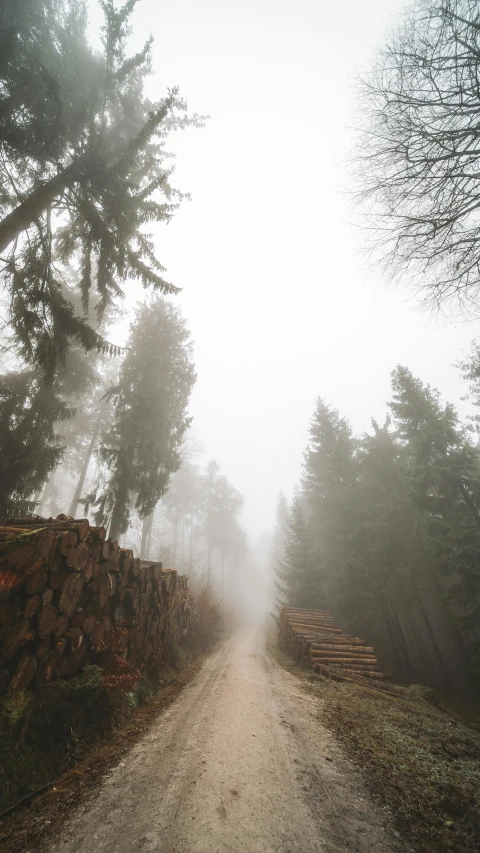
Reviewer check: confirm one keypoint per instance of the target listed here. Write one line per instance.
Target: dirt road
(240, 762)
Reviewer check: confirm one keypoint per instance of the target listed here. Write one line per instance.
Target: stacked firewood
(313, 636)
(64, 586)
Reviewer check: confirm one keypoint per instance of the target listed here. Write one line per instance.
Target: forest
(183, 665)
(93, 412)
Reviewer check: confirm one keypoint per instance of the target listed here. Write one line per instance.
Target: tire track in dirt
(239, 762)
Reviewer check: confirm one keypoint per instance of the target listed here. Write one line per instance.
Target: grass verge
(420, 756)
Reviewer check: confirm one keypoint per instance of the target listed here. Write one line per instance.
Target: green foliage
(141, 448)
(29, 443)
(386, 532)
(298, 581)
(84, 172)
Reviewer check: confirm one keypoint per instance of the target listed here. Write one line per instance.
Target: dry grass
(420, 756)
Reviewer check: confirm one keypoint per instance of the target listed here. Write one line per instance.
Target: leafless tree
(418, 159)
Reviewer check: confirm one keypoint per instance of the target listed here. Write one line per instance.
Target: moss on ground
(420, 756)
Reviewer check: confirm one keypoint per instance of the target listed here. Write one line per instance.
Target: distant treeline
(385, 531)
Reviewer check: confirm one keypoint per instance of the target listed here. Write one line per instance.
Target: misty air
(239, 426)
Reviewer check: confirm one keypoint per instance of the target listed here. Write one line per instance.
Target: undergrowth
(44, 732)
(420, 756)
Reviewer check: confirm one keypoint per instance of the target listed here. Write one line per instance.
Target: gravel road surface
(239, 762)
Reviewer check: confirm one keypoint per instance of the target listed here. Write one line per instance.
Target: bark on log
(46, 621)
(24, 673)
(71, 589)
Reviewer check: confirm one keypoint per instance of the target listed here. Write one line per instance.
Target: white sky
(281, 305)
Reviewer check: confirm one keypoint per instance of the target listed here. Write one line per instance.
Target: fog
(282, 303)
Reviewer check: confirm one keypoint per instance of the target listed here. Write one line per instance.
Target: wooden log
(47, 597)
(81, 526)
(71, 589)
(61, 626)
(89, 624)
(42, 648)
(46, 668)
(336, 648)
(67, 542)
(55, 559)
(61, 646)
(24, 673)
(4, 679)
(78, 618)
(75, 660)
(98, 634)
(87, 571)
(46, 621)
(32, 604)
(74, 637)
(9, 611)
(37, 581)
(58, 578)
(14, 638)
(101, 591)
(78, 556)
(328, 659)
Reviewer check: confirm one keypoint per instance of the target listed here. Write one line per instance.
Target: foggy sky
(281, 304)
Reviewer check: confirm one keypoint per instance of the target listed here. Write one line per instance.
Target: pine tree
(328, 483)
(84, 171)
(298, 581)
(30, 447)
(223, 504)
(141, 449)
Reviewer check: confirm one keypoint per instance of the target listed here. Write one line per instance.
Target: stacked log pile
(64, 586)
(313, 636)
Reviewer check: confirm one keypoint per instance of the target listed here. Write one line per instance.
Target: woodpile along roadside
(314, 637)
(64, 586)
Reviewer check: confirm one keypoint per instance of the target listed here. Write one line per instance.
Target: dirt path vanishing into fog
(239, 762)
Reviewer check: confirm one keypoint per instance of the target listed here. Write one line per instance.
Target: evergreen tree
(30, 447)
(298, 580)
(223, 504)
(84, 170)
(141, 449)
(277, 548)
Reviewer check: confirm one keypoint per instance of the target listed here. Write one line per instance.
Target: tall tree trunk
(86, 462)
(401, 641)
(12, 225)
(433, 637)
(46, 493)
(223, 578)
(469, 502)
(209, 560)
(146, 529)
(26, 213)
(182, 556)
(190, 556)
(149, 533)
(174, 544)
(121, 501)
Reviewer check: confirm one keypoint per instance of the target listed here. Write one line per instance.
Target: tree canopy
(141, 448)
(84, 172)
(419, 149)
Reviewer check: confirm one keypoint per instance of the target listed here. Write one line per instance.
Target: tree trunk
(121, 501)
(86, 462)
(46, 494)
(209, 558)
(146, 530)
(19, 219)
